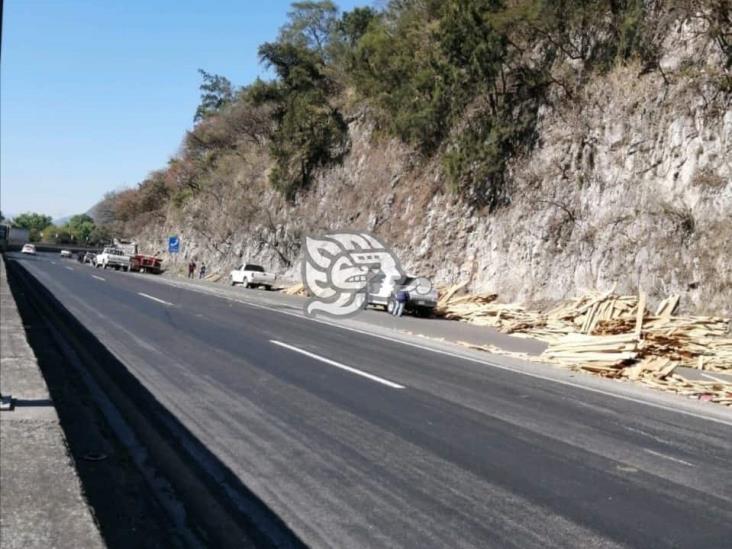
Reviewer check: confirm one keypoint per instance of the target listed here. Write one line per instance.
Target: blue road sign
(173, 244)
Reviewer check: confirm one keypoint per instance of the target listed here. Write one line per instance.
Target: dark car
(422, 296)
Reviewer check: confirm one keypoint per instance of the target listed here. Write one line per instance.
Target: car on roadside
(29, 249)
(65, 254)
(422, 295)
(252, 276)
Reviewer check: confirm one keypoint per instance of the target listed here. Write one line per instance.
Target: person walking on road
(401, 298)
(191, 269)
(202, 272)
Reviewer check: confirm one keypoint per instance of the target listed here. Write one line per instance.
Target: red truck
(146, 264)
(138, 262)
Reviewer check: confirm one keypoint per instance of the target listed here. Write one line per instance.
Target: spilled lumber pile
(614, 336)
(297, 289)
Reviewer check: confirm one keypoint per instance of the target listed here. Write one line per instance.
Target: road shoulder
(41, 501)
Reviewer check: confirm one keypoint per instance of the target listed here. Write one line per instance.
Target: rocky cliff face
(629, 186)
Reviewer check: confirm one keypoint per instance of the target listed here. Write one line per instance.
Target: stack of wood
(601, 352)
(614, 336)
(297, 289)
(480, 309)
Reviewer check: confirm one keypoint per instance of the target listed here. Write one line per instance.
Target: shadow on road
(212, 507)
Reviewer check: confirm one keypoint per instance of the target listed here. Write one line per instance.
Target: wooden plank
(639, 315)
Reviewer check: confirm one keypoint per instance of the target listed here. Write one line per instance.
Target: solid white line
(154, 298)
(339, 365)
(677, 460)
(99, 278)
(667, 408)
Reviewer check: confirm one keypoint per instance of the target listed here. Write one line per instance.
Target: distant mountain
(62, 220)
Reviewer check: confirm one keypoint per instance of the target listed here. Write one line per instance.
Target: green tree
(216, 93)
(310, 24)
(354, 24)
(59, 235)
(34, 222)
(100, 235)
(80, 227)
(309, 132)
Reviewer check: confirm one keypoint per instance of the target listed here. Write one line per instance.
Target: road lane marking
(154, 299)
(69, 268)
(99, 278)
(339, 365)
(53, 262)
(677, 460)
(515, 370)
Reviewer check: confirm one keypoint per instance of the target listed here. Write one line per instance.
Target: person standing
(402, 296)
(191, 268)
(202, 272)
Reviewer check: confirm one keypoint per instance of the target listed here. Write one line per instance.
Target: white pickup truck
(113, 258)
(252, 276)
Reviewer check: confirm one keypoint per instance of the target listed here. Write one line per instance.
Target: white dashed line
(155, 299)
(339, 365)
(671, 458)
(99, 278)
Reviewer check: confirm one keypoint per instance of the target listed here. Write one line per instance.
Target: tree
(34, 222)
(59, 235)
(100, 235)
(309, 132)
(216, 93)
(354, 24)
(310, 24)
(80, 227)
(103, 212)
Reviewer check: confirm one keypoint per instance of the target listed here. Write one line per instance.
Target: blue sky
(96, 94)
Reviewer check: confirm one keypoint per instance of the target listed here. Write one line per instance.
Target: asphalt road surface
(358, 441)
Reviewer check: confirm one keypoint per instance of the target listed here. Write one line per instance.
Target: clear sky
(98, 93)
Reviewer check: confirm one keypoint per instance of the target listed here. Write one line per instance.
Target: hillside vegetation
(472, 134)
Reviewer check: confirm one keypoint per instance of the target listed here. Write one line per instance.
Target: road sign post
(173, 244)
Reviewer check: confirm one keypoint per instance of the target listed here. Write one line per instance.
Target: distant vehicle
(422, 296)
(89, 257)
(65, 253)
(252, 276)
(146, 264)
(129, 247)
(28, 249)
(112, 258)
(18, 236)
(4, 233)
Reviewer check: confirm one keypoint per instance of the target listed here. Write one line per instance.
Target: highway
(358, 441)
